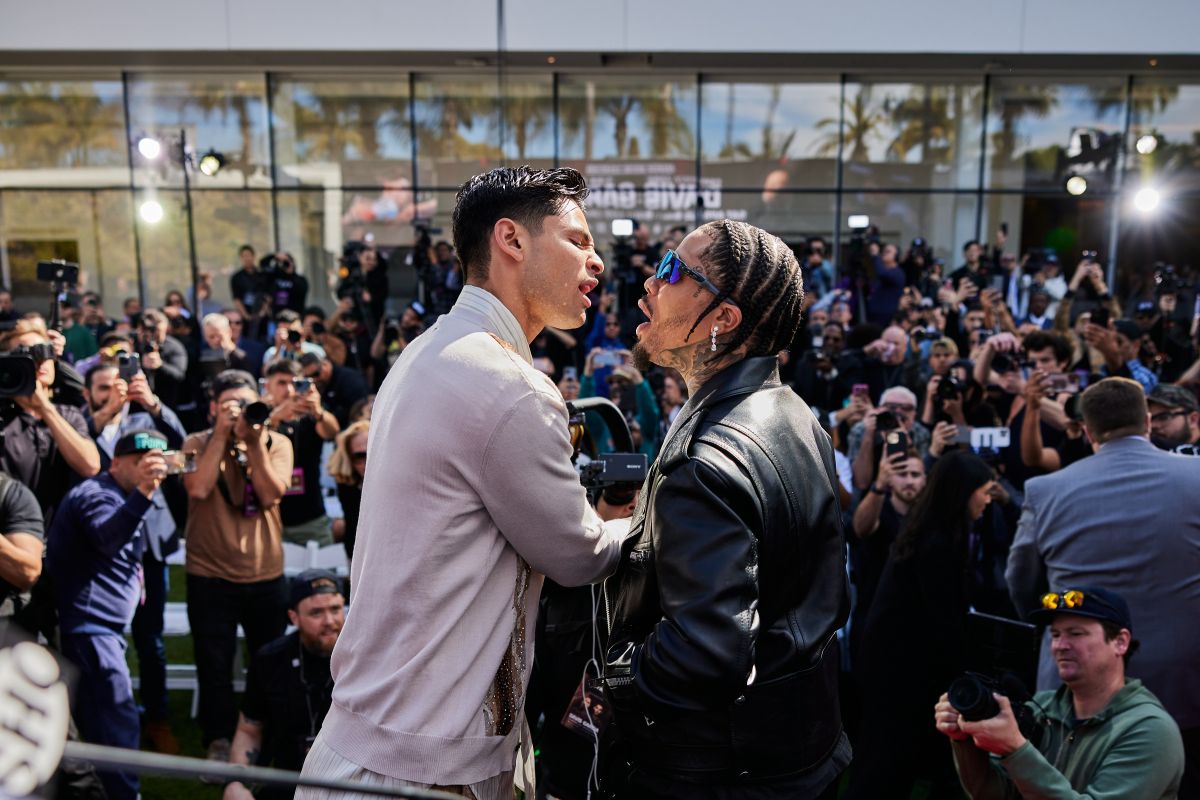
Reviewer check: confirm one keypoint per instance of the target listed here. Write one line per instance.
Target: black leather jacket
(722, 658)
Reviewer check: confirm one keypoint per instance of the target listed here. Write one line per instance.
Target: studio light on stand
(211, 163)
(1146, 144)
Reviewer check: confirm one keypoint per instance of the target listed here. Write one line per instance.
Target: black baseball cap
(312, 582)
(136, 442)
(1085, 601)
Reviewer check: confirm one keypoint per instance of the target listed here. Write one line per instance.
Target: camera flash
(622, 227)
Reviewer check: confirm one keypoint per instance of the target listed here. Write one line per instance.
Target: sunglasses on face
(360, 456)
(1163, 416)
(672, 269)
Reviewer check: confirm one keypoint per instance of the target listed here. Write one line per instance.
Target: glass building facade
(313, 160)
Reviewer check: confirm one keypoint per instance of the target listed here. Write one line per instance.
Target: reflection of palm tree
(1031, 100)
(862, 124)
(449, 108)
(527, 108)
(927, 123)
(62, 125)
(668, 132)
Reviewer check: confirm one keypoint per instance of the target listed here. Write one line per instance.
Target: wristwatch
(876, 490)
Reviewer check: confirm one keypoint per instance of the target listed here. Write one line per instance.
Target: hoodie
(1131, 750)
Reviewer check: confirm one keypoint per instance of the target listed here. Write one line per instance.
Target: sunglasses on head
(672, 269)
(1055, 601)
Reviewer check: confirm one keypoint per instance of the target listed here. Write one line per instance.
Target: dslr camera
(1001, 658)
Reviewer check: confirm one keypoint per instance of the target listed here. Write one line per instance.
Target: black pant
(1189, 789)
(148, 640)
(215, 609)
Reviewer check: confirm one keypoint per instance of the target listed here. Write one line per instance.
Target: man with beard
(470, 500)
(288, 686)
(721, 664)
(1174, 419)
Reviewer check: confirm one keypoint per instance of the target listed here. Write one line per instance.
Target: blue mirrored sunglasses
(672, 269)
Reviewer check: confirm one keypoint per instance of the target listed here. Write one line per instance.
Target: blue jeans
(148, 639)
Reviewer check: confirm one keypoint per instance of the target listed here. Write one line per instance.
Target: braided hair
(759, 273)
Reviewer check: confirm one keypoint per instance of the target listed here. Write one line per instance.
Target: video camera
(18, 374)
(607, 469)
(62, 277)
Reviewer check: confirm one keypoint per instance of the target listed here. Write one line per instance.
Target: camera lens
(256, 413)
(973, 698)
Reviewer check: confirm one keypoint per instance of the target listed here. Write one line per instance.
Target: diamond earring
(714, 338)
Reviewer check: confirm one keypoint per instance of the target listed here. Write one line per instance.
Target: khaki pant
(319, 530)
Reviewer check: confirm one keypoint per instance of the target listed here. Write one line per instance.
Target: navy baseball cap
(1085, 601)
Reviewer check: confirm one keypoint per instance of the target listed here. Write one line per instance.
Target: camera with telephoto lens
(255, 413)
(949, 388)
(294, 337)
(18, 375)
(1001, 657)
(886, 421)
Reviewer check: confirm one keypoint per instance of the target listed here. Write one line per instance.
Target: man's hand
(1003, 343)
(245, 432)
(888, 467)
(152, 359)
(116, 398)
(310, 402)
(37, 402)
(139, 392)
(58, 341)
(1035, 389)
(1104, 340)
(966, 290)
(227, 417)
(946, 719)
(151, 469)
(944, 435)
(999, 735)
(876, 348)
(289, 410)
(869, 425)
(237, 791)
(607, 299)
(931, 389)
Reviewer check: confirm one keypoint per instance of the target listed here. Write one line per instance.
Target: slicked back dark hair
(759, 273)
(522, 194)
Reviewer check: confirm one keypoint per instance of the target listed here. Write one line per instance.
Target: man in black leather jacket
(722, 664)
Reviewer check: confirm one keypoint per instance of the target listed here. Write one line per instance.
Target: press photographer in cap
(94, 552)
(1174, 419)
(288, 685)
(1100, 734)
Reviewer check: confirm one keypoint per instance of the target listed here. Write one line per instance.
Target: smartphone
(860, 389)
(962, 435)
(1100, 317)
(179, 462)
(1062, 382)
(128, 366)
(302, 385)
(895, 442)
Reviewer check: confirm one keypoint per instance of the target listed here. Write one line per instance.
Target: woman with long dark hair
(912, 647)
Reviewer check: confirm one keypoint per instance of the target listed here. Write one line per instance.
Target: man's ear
(728, 317)
(293, 618)
(510, 238)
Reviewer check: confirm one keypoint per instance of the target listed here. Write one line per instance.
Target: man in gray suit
(1127, 518)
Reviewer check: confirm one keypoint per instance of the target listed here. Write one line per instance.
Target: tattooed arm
(247, 744)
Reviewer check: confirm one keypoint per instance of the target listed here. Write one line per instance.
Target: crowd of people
(1000, 434)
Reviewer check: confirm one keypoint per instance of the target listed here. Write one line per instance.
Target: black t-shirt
(303, 502)
(288, 691)
(345, 388)
(247, 287)
(288, 290)
(30, 454)
(868, 557)
(19, 513)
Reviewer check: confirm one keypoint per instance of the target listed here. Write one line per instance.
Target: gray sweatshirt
(469, 500)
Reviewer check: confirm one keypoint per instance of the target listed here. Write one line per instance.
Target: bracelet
(876, 490)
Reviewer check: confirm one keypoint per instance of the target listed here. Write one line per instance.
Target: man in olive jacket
(1100, 735)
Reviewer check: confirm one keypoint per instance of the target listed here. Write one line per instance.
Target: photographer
(297, 414)
(289, 339)
(1101, 734)
(118, 408)
(346, 326)
(94, 552)
(1174, 419)
(235, 544)
(878, 520)
(394, 336)
(218, 335)
(164, 359)
(912, 645)
(1120, 343)
(340, 387)
(285, 288)
(246, 287)
(289, 685)
(897, 411)
(45, 444)
(818, 379)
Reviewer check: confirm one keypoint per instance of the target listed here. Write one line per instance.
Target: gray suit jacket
(1125, 519)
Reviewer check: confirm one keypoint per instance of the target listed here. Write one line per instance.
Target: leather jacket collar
(742, 377)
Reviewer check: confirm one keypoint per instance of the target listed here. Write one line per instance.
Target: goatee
(641, 358)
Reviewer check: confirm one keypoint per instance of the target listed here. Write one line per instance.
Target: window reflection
(1164, 146)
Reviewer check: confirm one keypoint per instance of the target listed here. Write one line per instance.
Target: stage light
(857, 222)
(622, 227)
(1147, 144)
(211, 162)
(1146, 200)
(1076, 185)
(151, 211)
(149, 147)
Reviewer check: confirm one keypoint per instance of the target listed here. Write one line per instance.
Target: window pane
(92, 228)
(792, 216)
(945, 221)
(55, 133)
(1041, 133)
(1066, 224)
(770, 134)
(226, 113)
(1166, 125)
(224, 221)
(912, 135)
(1170, 235)
(460, 130)
(342, 133)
